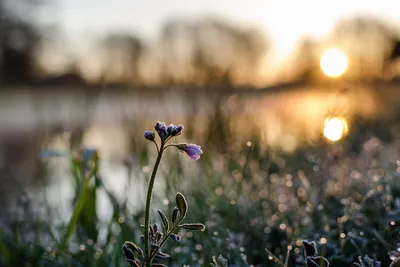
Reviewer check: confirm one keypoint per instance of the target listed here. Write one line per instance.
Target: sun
(334, 62)
(335, 128)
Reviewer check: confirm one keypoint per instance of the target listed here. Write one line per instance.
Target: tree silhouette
(306, 61)
(18, 42)
(210, 52)
(123, 56)
(366, 41)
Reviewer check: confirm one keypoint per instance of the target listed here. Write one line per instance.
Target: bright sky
(284, 21)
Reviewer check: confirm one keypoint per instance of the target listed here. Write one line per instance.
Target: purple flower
(88, 153)
(171, 129)
(149, 135)
(162, 131)
(178, 129)
(192, 150)
(158, 124)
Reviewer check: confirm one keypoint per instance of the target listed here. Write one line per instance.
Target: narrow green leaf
(164, 220)
(158, 265)
(77, 212)
(182, 205)
(193, 226)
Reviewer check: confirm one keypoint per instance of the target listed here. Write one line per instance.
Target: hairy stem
(166, 236)
(147, 257)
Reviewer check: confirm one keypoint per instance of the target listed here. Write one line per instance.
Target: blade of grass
(287, 256)
(274, 258)
(78, 208)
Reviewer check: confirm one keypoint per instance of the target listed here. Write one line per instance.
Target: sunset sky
(284, 21)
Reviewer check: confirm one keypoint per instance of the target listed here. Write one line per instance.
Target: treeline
(190, 53)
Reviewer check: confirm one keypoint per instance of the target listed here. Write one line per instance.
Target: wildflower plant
(311, 255)
(368, 262)
(154, 237)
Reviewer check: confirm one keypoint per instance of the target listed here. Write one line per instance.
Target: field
(258, 191)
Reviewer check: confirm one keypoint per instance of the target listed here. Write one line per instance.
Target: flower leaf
(182, 205)
(154, 245)
(162, 255)
(310, 248)
(175, 215)
(311, 263)
(193, 226)
(135, 248)
(395, 263)
(175, 237)
(130, 256)
(164, 220)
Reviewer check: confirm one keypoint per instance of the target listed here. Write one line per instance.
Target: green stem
(78, 209)
(148, 258)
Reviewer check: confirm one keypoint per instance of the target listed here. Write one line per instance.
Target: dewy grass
(153, 237)
(349, 206)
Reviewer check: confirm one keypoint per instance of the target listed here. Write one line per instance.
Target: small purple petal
(193, 151)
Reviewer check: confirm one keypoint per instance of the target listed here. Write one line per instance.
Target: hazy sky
(284, 21)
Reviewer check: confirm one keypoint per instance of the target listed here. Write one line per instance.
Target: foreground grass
(345, 197)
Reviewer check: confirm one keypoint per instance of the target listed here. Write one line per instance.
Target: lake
(113, 122)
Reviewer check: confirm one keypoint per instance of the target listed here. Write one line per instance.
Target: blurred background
(296, 105)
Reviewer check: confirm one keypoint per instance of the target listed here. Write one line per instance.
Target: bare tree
(123, 56)
(210, 52)
(306, 61)
(366, 41)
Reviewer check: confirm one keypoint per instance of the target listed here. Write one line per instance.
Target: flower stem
(148, 258)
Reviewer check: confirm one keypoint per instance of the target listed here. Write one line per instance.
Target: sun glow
(335, 128)
(333, 62)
